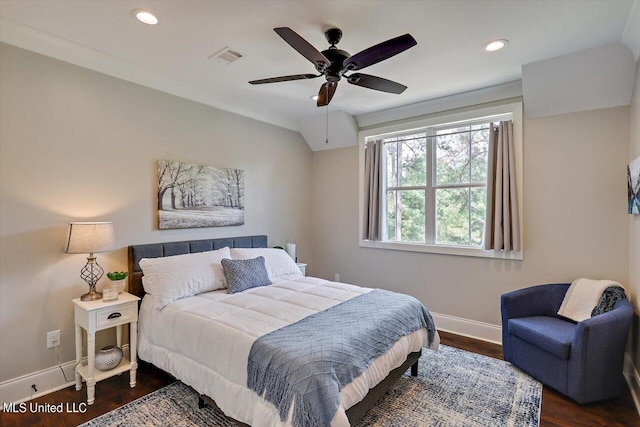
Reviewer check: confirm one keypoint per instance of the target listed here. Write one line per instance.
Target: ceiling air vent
(226, 56)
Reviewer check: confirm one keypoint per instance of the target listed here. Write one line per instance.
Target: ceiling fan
(333, 63)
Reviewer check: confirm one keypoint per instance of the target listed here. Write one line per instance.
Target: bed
(181, 340)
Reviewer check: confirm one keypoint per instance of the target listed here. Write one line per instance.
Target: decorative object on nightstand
(291, 250)
(90, 237)
(117, 279)
(94, 316)
(109, 294)
(108, 358)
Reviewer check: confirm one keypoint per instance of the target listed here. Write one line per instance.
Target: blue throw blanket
(609, 297)
(311, 360)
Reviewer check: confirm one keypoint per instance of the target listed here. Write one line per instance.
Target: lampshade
(291, 250)
(89, 237)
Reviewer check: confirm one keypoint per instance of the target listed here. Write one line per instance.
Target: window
(434, 182)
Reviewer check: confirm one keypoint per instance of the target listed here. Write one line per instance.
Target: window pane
(452, 216)
(414, 161)
(391, 150)
(391, 215)
(452, 156)
(478, 213)
(479, 155)
(411, 216)
(405, 217)
(406, 160)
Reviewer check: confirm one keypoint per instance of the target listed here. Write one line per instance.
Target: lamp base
(91, 296)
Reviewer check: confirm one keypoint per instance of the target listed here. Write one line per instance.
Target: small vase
(120, 284)
(108, 358)
(109, 293)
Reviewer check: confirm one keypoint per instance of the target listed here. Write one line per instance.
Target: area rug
(453, 388)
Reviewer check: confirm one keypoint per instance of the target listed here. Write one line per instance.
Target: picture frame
(633, 187)
(194, 196)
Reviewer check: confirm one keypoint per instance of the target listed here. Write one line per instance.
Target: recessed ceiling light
(314, 97)
(494, 45)
(144, 16)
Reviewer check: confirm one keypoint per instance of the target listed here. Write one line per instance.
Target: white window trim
(436, 120)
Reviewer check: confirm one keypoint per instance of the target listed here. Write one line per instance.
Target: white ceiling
(173, 55)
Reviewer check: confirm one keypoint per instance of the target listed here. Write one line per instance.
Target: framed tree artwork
(633, 185)
(191, 196)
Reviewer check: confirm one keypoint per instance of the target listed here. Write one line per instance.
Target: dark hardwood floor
(557, 410)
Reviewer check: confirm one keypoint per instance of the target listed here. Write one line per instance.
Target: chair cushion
(551, 334)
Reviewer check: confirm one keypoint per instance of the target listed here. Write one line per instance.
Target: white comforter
(205, 341)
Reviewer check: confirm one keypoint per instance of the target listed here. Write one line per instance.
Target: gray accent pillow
(243, 274)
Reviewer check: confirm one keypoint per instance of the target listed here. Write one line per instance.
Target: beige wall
(634, 220)
(79, 145)
(575, 222)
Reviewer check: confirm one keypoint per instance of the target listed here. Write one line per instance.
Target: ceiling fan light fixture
(144, 16)
(494, 45)
(333, 62)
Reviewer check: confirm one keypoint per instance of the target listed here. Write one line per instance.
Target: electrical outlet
(53, 338)
(337, 278)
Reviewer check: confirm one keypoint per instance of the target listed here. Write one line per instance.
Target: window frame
(433, 122)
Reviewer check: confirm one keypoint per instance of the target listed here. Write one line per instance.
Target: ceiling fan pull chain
(326, 141)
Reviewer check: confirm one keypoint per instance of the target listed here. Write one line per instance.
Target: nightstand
(302, 267)
(94, 316)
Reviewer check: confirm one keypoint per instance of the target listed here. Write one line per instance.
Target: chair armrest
(541, 300)
(597, 352)
(603, 323)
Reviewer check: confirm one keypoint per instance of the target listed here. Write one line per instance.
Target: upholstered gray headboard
(156, 250)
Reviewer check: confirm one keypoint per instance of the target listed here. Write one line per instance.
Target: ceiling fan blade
(376, 83)
(326, 93)
(303, 47)
(380, 52)
(284, 78)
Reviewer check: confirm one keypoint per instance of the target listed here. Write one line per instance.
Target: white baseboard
(46, 381)
(633, 380)
(468, 328)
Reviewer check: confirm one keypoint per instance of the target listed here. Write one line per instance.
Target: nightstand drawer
(114, 315)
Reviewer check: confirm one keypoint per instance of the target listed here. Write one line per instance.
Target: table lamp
(90, 237)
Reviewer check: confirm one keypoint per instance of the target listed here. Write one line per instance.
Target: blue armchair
(581, 360)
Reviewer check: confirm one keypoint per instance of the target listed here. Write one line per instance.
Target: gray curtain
(502, 226)
(372, 229)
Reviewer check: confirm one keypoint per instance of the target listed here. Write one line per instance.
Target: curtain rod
(432, 136)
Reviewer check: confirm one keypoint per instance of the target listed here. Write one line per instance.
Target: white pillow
(277, 261)
(174, 277)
